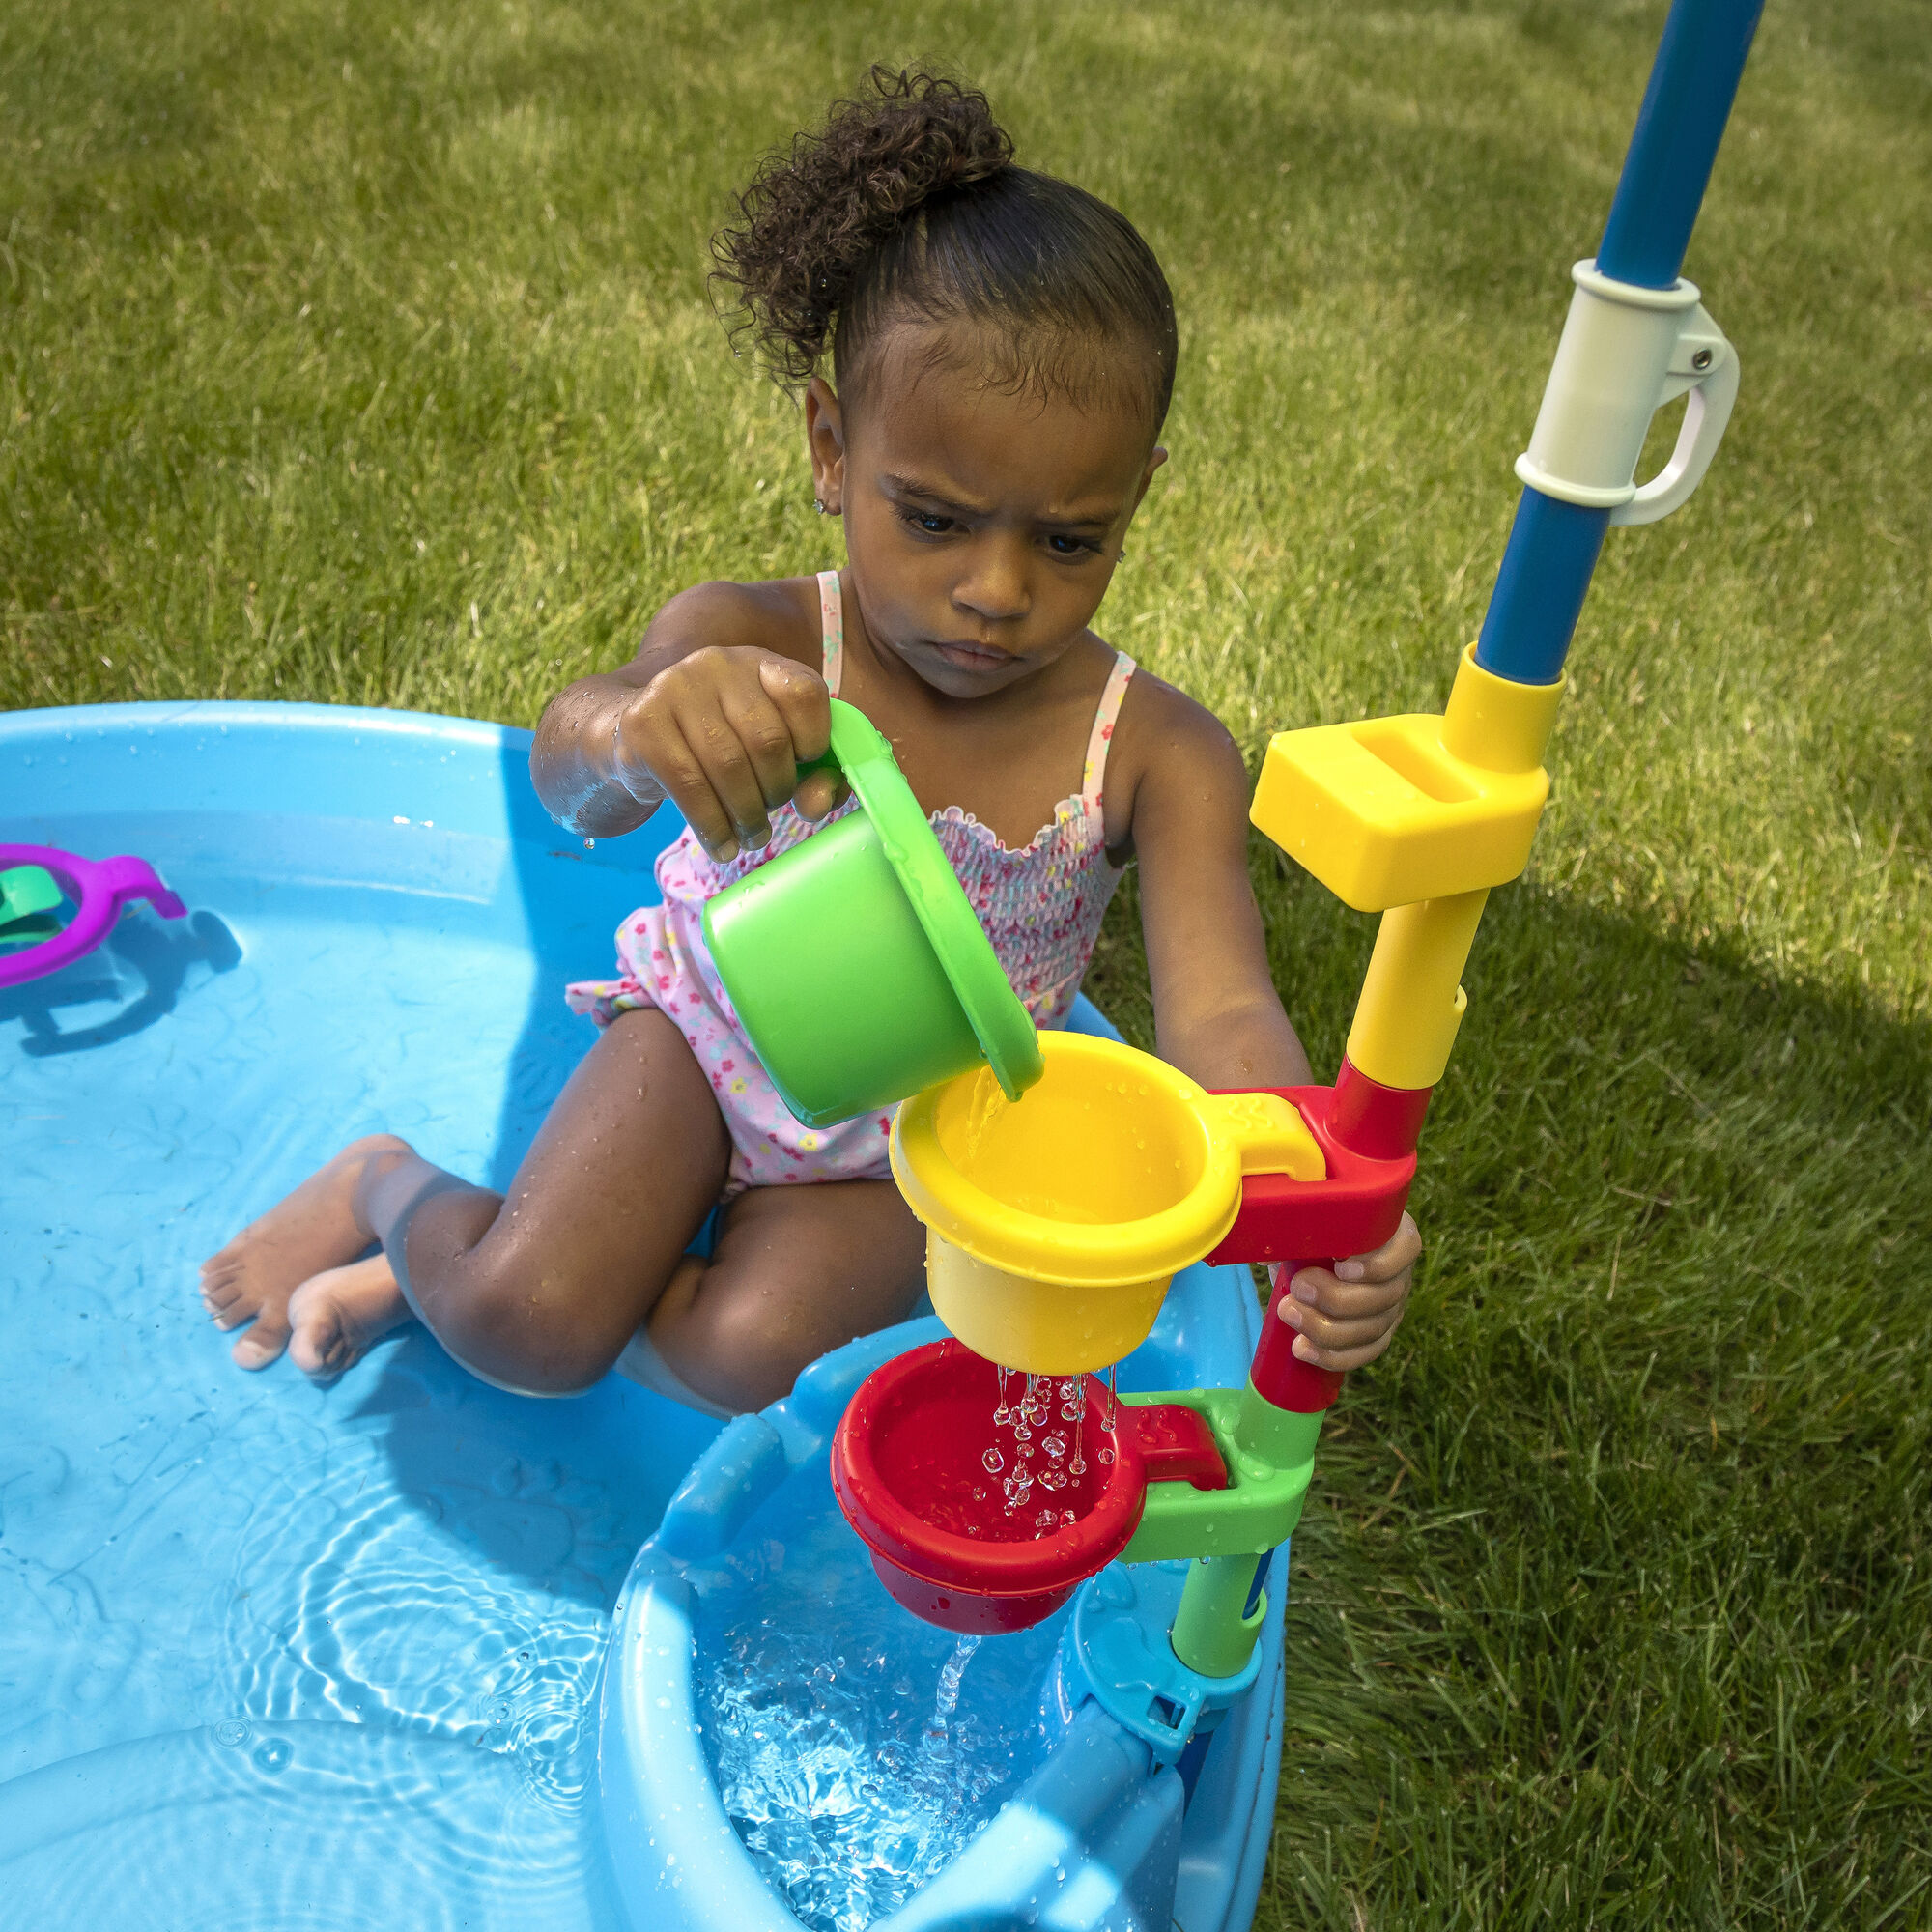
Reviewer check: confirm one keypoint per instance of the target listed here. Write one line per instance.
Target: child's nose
(994, 585)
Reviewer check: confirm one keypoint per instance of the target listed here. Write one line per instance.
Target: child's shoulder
(1160, 721)
(1164, 739)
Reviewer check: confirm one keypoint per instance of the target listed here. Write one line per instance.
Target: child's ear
(1155, 458)
(825, 441)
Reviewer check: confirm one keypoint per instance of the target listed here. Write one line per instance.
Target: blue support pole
(1693, 84)
(1546, 574)
(1553, 546)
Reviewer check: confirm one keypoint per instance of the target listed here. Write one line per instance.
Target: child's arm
(1216, 1013)
(718, 709)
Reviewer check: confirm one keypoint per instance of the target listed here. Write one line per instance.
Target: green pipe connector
(1270, 1456)
(1210, 1634)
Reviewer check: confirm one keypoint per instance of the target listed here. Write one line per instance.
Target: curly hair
(907, 205)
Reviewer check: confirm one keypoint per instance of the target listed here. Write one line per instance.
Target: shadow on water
(556, 1493)
(143, 964)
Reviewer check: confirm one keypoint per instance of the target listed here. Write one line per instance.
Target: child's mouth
(971, 657)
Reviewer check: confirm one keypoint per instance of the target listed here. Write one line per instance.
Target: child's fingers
(1398, 1252)
(1346, 1300)
(804, 703)
(801, 699)
(726, 763)
(1334, 1341)
(1345, 1357)
(681, 773)
(765, 739)
(817, 793)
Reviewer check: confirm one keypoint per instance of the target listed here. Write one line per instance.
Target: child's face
(982, 528)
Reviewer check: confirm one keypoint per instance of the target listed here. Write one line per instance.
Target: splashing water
(1041, 1456)
(854, 1752)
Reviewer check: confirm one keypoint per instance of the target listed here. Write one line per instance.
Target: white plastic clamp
(1626, 352)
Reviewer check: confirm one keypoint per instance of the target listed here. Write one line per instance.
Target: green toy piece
(857, 965)
(29, 896)
(1270, 1455)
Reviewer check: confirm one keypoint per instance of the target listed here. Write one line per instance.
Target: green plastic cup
(859, 970)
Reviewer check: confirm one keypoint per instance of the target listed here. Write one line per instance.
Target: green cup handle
(854, 728)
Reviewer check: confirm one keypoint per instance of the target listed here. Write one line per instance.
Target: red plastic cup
(906, 1468)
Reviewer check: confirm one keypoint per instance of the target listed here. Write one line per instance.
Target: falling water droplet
(994, 1462)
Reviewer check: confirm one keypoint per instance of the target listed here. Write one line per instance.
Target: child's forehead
(929, 417)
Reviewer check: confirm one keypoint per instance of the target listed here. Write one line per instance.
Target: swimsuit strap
(832, 629)
(1092, 781)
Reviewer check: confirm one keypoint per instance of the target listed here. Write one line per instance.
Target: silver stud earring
(818, 504)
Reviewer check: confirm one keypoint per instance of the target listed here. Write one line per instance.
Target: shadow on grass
(1611, 1605)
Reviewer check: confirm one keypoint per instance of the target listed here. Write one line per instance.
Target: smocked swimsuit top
(1041, 903)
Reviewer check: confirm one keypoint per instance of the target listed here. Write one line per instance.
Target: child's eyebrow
(1080, 518)
(912, 486)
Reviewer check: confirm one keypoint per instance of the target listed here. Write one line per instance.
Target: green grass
(360, 353)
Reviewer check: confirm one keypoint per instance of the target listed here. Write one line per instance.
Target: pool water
(274, 1655)
(857, 1749)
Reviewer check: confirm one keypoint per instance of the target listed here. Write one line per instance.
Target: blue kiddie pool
(409, 1650)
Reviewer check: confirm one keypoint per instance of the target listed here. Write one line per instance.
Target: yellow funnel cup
(1056, 1222)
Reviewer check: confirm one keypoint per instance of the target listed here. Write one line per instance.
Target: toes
(318, 1347)
(262, 1344)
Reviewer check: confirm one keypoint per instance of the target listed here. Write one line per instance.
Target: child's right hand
(722, 734)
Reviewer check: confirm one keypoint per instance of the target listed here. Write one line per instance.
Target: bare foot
(336, 1315)
(313, 1229)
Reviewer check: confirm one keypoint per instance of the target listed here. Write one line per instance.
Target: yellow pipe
(1495, 724)
(1411, 1001)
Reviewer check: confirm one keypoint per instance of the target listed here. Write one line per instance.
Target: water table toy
(34, 882)
(855, 961)
(1056, 1222)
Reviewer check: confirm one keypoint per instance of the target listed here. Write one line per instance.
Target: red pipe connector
(1366, 1134)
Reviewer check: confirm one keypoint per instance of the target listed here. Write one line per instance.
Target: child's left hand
(1345, 1317)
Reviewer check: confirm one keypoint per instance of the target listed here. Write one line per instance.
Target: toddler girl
(1001, 350)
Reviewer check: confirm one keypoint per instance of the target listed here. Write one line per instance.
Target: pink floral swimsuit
(1041, 907)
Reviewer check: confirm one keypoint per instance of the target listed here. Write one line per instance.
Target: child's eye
(1072, 547)
(928, 523)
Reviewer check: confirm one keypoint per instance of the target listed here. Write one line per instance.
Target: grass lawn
(359, 352)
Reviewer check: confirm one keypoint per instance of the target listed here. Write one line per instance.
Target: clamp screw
(1701, 360)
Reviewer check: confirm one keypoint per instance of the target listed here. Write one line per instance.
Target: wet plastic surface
(271, 1655)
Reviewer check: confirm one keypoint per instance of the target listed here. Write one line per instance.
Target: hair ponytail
(907, 205)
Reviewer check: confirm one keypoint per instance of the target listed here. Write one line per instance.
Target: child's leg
(537, 1290)
(797, 1270)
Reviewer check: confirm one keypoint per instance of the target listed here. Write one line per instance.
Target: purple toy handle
(99, 888)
